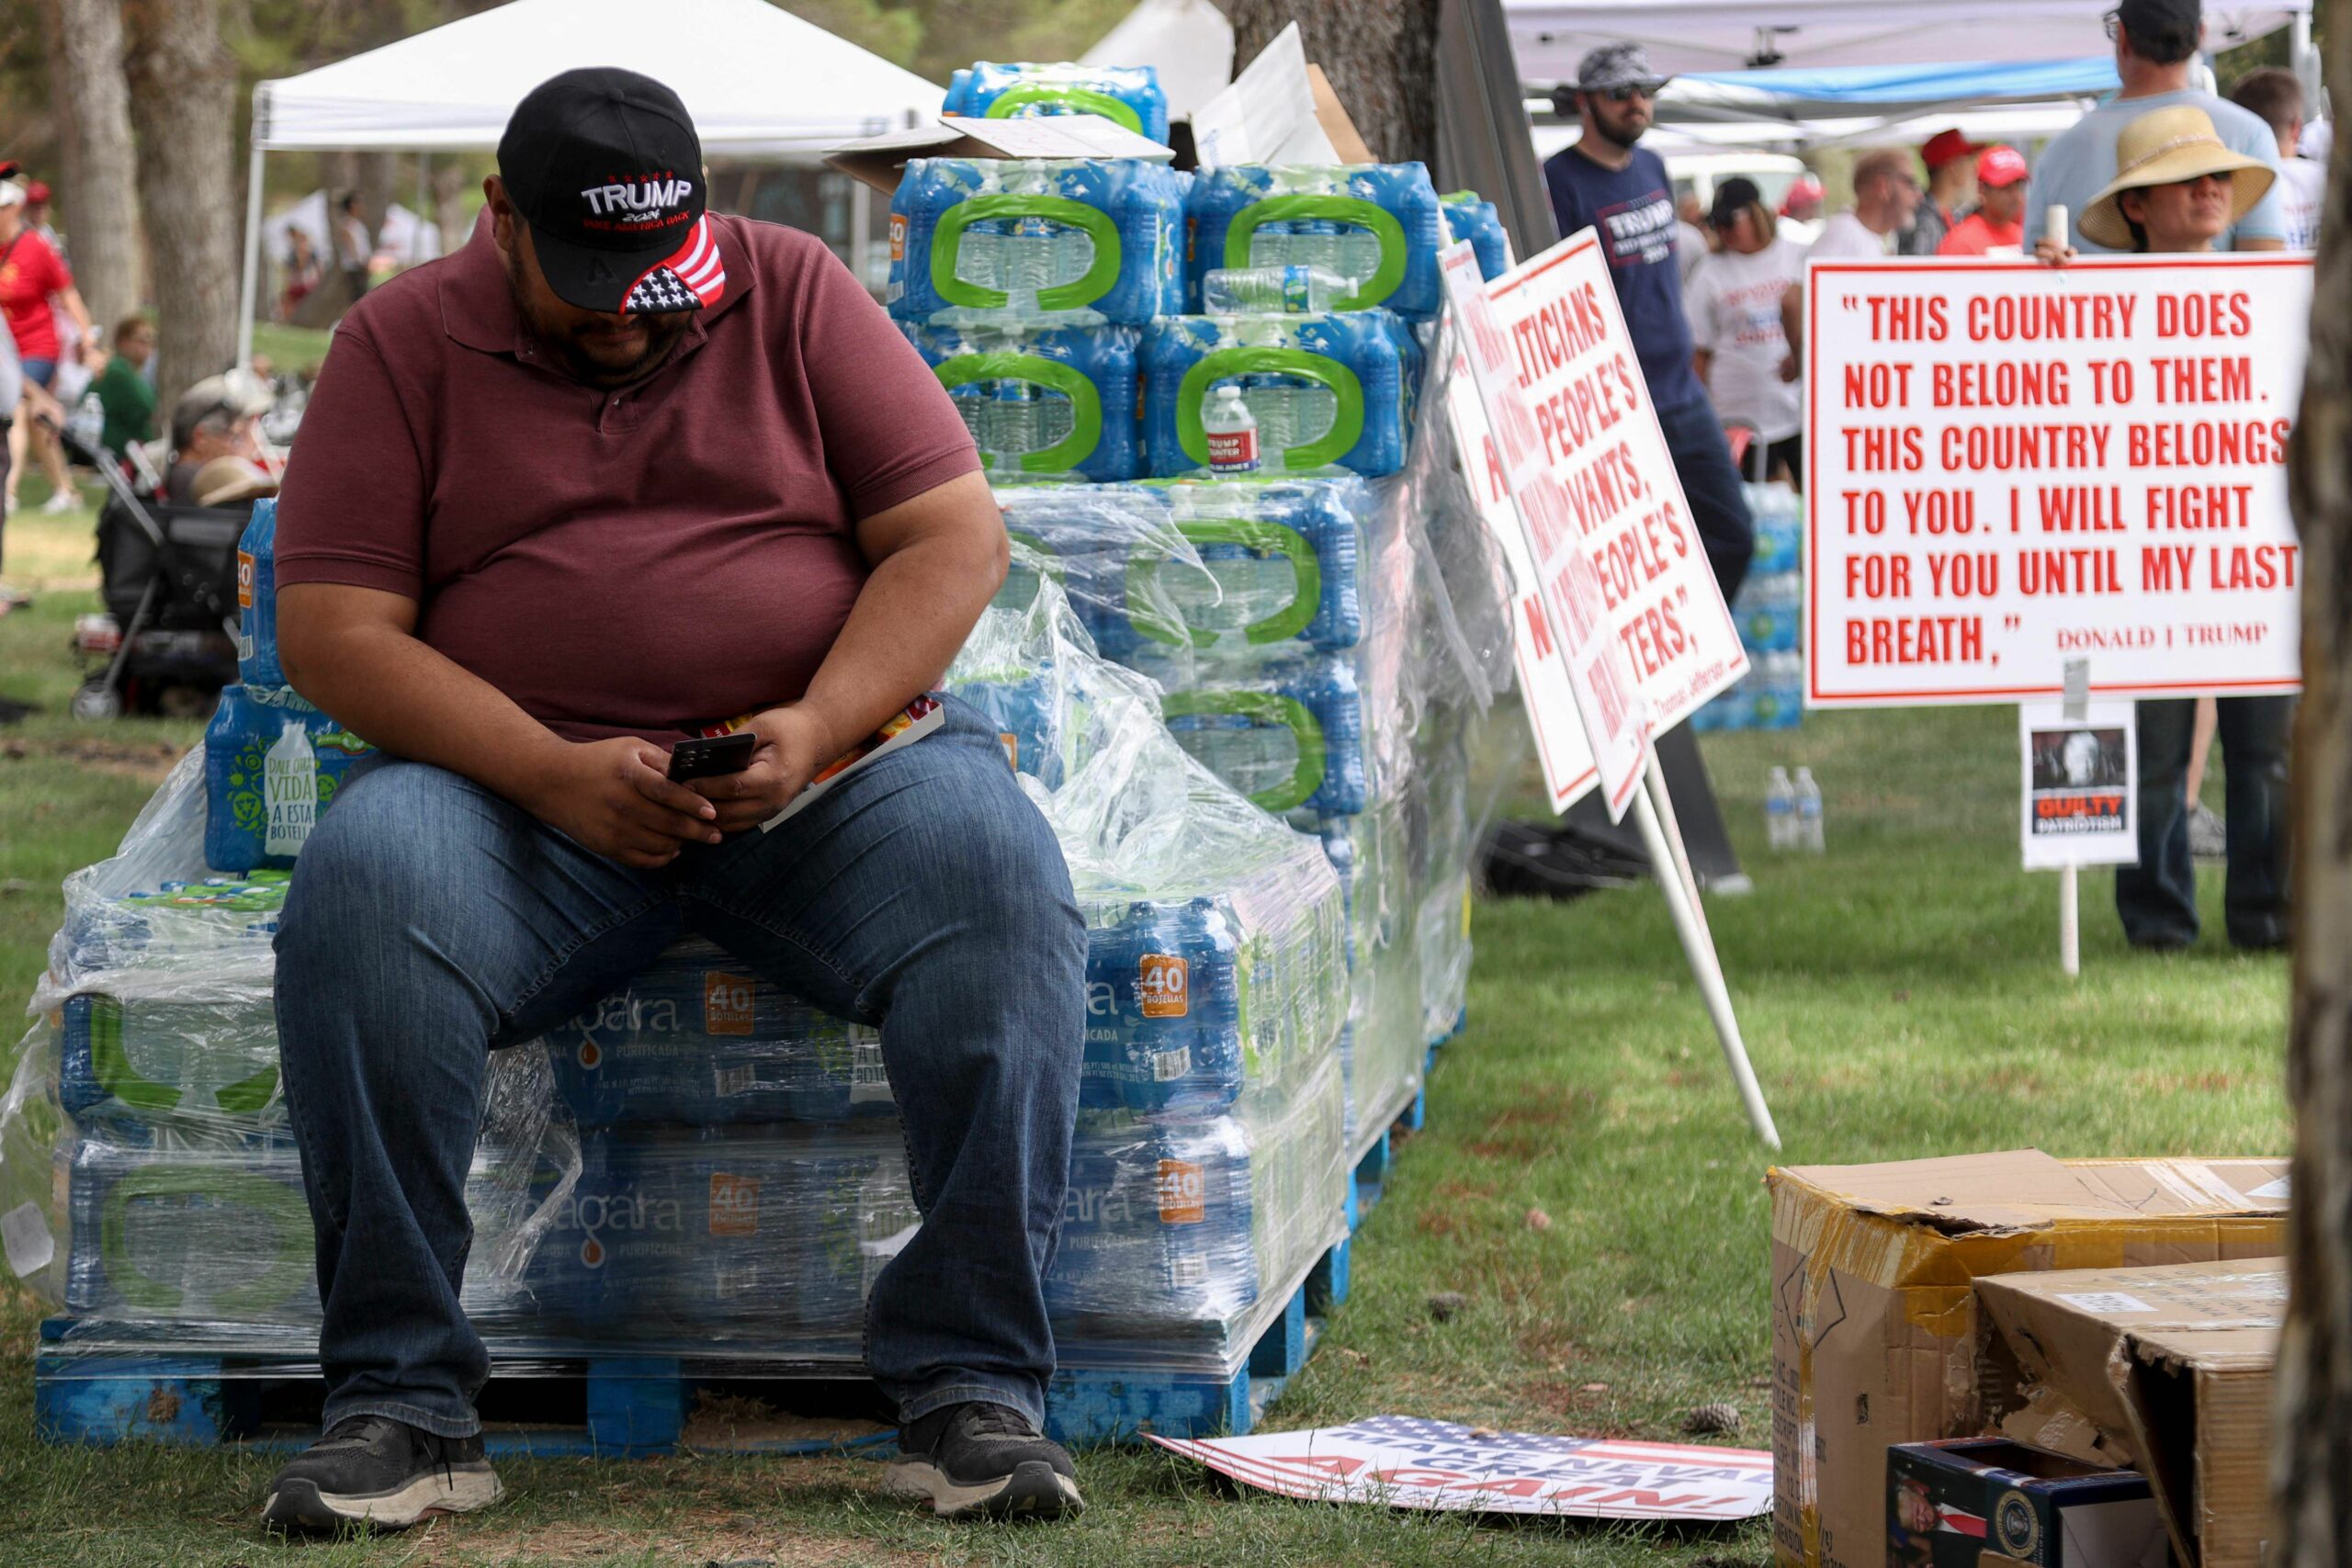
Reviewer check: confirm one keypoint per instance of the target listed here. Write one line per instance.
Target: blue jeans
(430, 922)
(1718, 506)
(2157, 898)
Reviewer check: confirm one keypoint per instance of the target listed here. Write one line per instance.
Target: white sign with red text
(2014, 466)
(1402, 1461)
(1606, 529)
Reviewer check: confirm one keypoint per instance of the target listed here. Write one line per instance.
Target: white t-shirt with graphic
(1734, 304)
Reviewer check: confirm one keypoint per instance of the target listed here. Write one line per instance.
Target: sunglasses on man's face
(1632, 90)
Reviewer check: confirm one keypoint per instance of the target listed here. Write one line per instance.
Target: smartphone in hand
(713, 756)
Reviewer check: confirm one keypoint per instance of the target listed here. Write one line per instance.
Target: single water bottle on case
(1232, 433)
(1291, 290)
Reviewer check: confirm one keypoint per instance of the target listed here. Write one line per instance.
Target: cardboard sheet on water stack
(1874, 1315)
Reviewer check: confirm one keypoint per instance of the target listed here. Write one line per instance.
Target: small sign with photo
(2081, 777)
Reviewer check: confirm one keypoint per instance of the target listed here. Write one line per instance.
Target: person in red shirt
(32, 276)
(616, 472)
(1997, 226)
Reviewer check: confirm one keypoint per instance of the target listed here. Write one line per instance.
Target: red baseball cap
(37, 192)
(1945, 146)
(2000, 167)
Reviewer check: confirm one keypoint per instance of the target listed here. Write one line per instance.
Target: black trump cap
(604, 166)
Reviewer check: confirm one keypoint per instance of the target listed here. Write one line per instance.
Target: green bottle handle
(1251, 534)
(1264, 708)
(1085, 402)
(1313, 205)
(291, 1237)
(1086, 100)
(947, 243)
(1220, 364)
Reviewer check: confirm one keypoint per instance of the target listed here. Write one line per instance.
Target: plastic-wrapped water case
(163, 1225)
(1327, 391)
(1128, 95)
(1375, 224)
(1045, 402)
(1767, 610)
(1176, 1222)
(1468, 218)
(1036, 237)
(1778, 514)
(1219, 565)
(163, 1047)
(257, 663)
(697, 1039)
(770, 1234)
(273, 764)
(1286, 730)
(1217, 961)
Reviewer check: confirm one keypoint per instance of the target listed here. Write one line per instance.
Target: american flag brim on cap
(693, 278)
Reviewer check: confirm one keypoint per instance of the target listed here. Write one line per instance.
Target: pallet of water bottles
(1769, 611)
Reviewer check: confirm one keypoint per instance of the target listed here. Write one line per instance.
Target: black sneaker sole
(1034, 1491)
(298, 1508)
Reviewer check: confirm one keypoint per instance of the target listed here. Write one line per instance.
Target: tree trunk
(2313, 1441)
(1380, 56)
(185, 108)
(101, 206)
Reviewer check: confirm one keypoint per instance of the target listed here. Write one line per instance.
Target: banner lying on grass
(1601, 537)
(1400, 1461)
(2011, 465)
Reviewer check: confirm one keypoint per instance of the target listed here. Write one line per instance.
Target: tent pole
(860, 221)
(248, 294)
(2303, 58)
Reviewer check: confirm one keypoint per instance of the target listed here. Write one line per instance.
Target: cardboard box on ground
(2173, 1366)
(1875, 1327)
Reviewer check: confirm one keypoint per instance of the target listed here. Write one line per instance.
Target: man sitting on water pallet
(615, 469)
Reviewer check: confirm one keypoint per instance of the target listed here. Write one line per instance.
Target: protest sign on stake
(1400, 1461)
(1609, 573)
(2014, 464)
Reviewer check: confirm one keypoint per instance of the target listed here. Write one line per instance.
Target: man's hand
(794, 744)
(615, 797)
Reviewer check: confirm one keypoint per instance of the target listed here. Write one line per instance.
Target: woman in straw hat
(2177, 189)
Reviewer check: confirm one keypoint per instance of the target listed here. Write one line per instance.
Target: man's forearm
(407, 699)
(912, 618)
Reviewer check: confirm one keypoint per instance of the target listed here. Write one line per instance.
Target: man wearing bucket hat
(1607, 182)
(2178, 188)
(617, 471)
(2155, 45)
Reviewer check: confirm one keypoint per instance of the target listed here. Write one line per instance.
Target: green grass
(1901, 996)
(291, 348)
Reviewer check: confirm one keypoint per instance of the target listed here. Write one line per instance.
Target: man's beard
(1617, 136)
(662, 337)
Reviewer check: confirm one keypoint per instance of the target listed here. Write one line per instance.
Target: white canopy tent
(758, 81)
(1189, 42)
(1687, 36)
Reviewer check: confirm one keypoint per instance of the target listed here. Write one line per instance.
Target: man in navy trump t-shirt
(1620, 190)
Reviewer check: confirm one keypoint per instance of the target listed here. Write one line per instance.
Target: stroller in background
(168, 576)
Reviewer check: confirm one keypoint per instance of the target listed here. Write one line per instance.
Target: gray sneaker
(982, 1460)
(373, 1472)
(2208, 839)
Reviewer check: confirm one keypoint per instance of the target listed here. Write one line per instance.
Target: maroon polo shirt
(630, 562)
